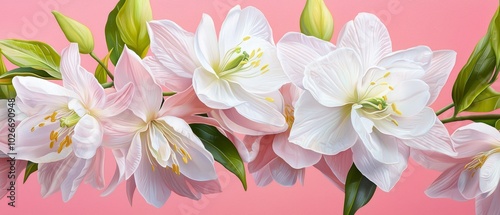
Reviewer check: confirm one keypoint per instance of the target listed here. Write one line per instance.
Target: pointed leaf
(494, 32)
(222, 149)
(100, 73)
(487, 101)
(358, 191)
(7, 77)
(30, 168)
(113, 39)
(33, 54)
(6, 91)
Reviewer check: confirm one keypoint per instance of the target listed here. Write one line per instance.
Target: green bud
(316, 20)
(76, 32)
(131, 22)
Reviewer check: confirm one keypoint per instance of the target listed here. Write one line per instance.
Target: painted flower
(277, 158)
(240, 70)
(475, 172)
(362, 96)
(64, 129)
(161, 153)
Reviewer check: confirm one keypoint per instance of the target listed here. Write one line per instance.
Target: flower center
(377, 105)
(67, 121)
(236, 60)
(289, 111)
(479, 160)
(177, 146)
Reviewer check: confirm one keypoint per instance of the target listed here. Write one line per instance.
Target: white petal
(333, 79)
(120, 130)
(446, 185)
(118, 101)
(410, 97)
(340, 164)
(322, 129)
(283, 173)
(264, 156)
(419, 55)
(437, 140)
(178, 184)
(152, 184)
(294, 155)
(437, 74)
(40, 96)
(79, 80)
(382, 147)
(468, 184)
(35, 146)
(206, 45)
(488, 204)
(296, 50)
(490, 174)
(214, 92)
(147, 94)
(87, 137)
(166, 78)
(324, 168)
(134, 155)
(52, 175)
(183, 104)
(241, 23)
(173, 47)
(130, 189)
(368, 36)
(475, 138)
(75, 176)
(408, 127)
(238, 123)
(262, 177)
(385, 176)
(263, 109)
(434, 160)
(158, 146)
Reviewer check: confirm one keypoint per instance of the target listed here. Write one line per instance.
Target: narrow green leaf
(7, 77)
(6, 91)
(494, 32)
(477, 75)
(32, 54)
(113, 39)
(100, 73)
(222, 149)
(486, 101)
(358, 191)
(30, 168)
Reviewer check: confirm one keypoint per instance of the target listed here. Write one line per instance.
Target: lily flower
(160, 151)
(362, 96)
(64, 128)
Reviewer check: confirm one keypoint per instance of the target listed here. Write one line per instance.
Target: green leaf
(113, 39)
(491, 122)
(32, 54)
(7, 77)
(486, 101)
(358, 191)
(30, 168)
(100, 73)
(494, 32)
(6, 91)
(222, 149)
(131, 21)
(477, 75)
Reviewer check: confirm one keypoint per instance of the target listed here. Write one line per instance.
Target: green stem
(107, 85)
(102, 64)
(472, 117)
(439, 112)
(169, 93)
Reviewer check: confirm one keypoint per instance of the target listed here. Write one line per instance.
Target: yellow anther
(380, 106)
(152, 167)
(260, 54)
(69, 142)
(41, 124)
(51, 144)
(61, 146)
(53, 117)
(258, 50)
(246, 38)
(269, 99)
(395, 109)
(385, 98)
(252, 54)
(391, 88)
(175, 169)
(387, 74)
(395, 122)
(372, 83)
(257, 63)
(264, 67)
(32, 129)
(185, 159)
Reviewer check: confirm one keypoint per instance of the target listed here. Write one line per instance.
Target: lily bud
(131, 21)
(316, 20)
(76, 32)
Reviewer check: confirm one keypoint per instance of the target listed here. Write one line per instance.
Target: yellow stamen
(380, 106)
(153, 167)
(185, 159)
(395, 109)
(246, 38)
(387, 74)
(391, 88)
(372, 83)
(395, 122)
(32, 129)
(51, 144)
(264, 67)
(269, 99)
(69, 142)
(41, 124)
(260, 54)
(53, 117)
(252, 54)
(175, 169)
(385, 98)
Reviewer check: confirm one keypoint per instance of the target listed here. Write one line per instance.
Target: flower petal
(147, 97)
(468, 184)
(263, 109)
(333, 79)
(331, 138)
(134, 155)
(206, 44)
(475, 138)
(368, 36)
(79, 80)
(118, 101)
(165, 78)
(151, 184)
(437, 74)
(488, 204)
(80, 168)
(296, 50)
(214, 92)
(406, 126)
(183, 104)
(283, 173)
(490, 174)
(446, 185)
(294, 155)
(87, 137)
(410, 97)
(385, 176)
(237, 123)
(262, 177)
(324, 168)
(437, 140)
(340, 164)
(264, 156)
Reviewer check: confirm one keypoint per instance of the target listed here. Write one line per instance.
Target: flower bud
(76, 32)
(131, 22)
(316, 20)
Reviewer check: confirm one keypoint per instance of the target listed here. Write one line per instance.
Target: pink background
(444, 24)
